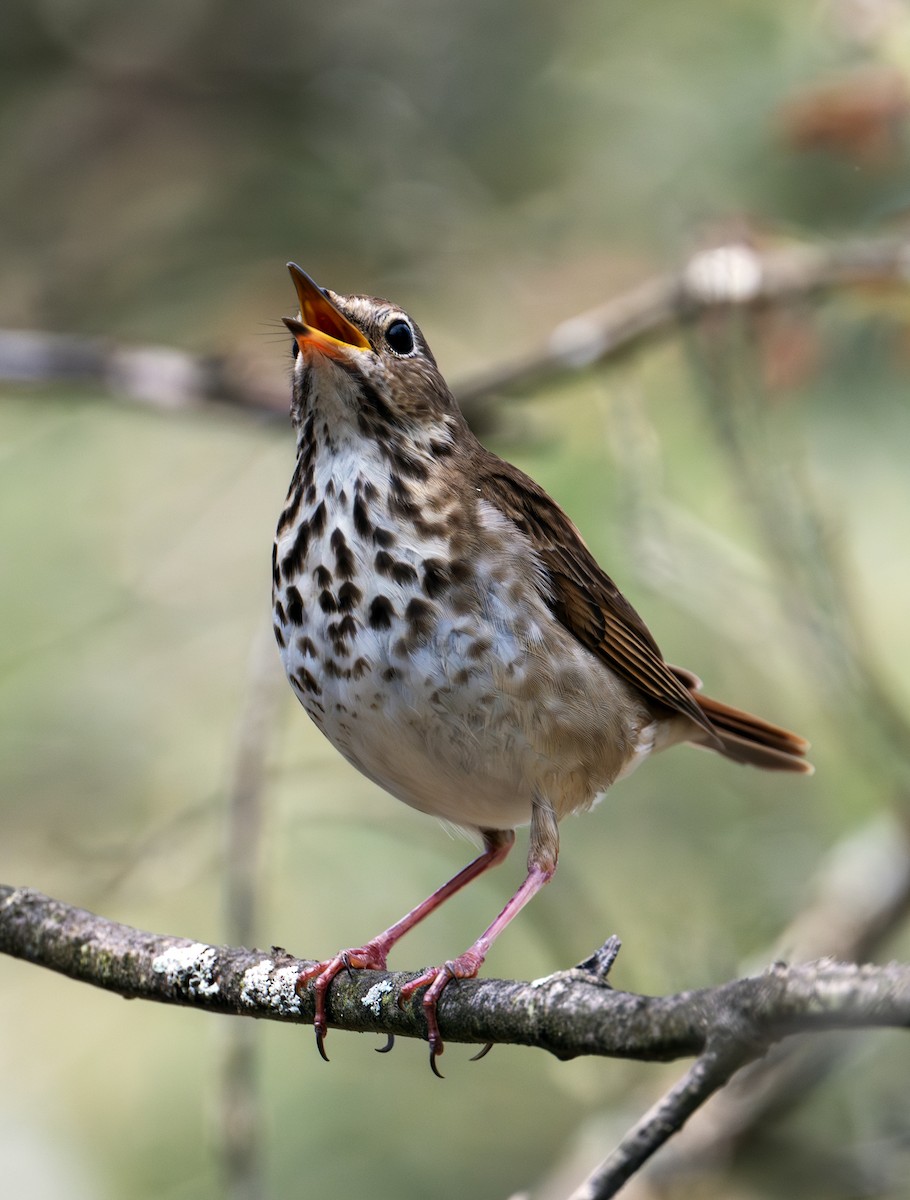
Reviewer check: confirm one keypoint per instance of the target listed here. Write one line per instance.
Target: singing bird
(442, 621)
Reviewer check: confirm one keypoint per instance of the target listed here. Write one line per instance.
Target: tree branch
(569, 1014)
(718, 278)
(706, 1076)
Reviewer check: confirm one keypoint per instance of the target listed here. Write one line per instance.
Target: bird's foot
(370, 957)
(436, 980)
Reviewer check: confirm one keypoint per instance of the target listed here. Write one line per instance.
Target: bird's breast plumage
(413, 629)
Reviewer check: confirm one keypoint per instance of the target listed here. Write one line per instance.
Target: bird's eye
(400, 337)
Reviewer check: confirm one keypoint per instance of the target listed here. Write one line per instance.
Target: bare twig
(154, 376)
(706, 1075)
(240, 1132)
(862, 893)
(720, 278)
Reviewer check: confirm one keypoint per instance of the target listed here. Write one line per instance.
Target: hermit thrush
(444, 624)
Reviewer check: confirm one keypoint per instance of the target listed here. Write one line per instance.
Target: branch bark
(570, 1013)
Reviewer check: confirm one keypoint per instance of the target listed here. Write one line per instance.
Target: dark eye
(295, 348)
(400, 337)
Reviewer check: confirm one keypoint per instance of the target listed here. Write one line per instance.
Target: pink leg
(373, 954)
(468, 964)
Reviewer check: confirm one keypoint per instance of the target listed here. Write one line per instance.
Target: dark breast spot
(459, 571)
(323, 577)
(293, 560)
(407, 465)
(340, 631)
(318, 519)
(327, 602)
(306, 647)
(335, 671)
(344, 559)
(291, 508)
(279, 636)
(381, 613)
(294, 606)
(404, 573)
(400, 572)
(401, 502)
(436, 577)
(427, 528)
(306, 682)
(349, 596)
(384, 538)
(421, 617)
(363, 526)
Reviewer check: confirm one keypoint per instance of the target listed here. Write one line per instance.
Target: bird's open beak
(321, 326)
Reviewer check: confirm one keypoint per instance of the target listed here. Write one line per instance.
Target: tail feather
(749, 739)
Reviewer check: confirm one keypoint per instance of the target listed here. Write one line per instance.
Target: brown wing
(582, 596)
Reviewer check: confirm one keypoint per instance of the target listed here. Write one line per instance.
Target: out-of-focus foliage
(495, 168)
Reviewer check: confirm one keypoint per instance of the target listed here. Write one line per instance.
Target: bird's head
(365, 360)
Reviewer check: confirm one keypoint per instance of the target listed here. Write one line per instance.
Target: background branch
(726, 276)
(240, 1125)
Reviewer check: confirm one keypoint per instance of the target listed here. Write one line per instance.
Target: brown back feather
(583, 597)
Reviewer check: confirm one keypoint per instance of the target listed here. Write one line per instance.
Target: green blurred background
(495, 168)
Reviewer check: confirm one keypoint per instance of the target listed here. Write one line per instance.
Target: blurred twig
(727, 276)
(154, 376)
(240, 1130)
(708, 1073)
(766, 462)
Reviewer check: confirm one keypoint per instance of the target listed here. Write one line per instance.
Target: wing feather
(582, 596)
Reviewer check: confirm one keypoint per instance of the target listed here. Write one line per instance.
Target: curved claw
(320, 1042)
(436, 1048)
(481, 1053)
(387, 1047)
(370, 956)
(435, 980)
